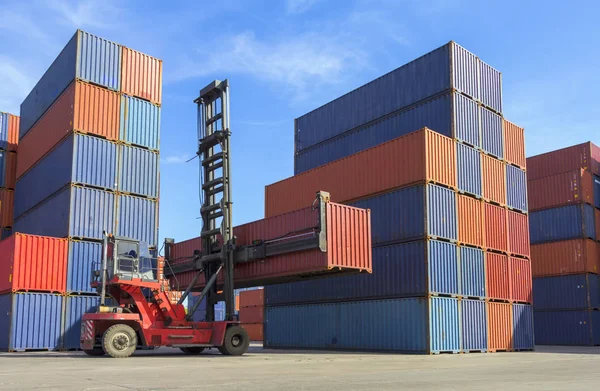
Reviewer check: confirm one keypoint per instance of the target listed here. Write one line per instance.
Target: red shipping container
(520, 278)
(581, 156)
(84, 108)
(514, 144)
(184, 251)
(500, 326)
(518, 234)
(494, 179)
(252, 314)
(141, 76)
(561, 189)
(10, 170)
(421, 156)
(255, 331)
(565, 257)
(497, 276)
(7, 203)
(597, 220)
(33, 263)
(470, 221)
(253, 298)
(496, 235)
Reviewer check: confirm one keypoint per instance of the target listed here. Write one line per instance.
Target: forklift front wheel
(236, 341)
(119, 341)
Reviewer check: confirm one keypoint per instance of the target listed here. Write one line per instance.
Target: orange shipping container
(7, 203)
(496, 235)
(497, 276)
(252, 314)
(10, 173)
(518, 234)
(520, 272)
(500, 327)
(514, 144)
(253, 298)
(417, 157)
(255, 331)
(141, 76)
(565, 257)
(33, 263)
(561, 189)
(84, 108)
(470, 221)
(12, 136)
(581, 156)
(494, 179)
(237, 303)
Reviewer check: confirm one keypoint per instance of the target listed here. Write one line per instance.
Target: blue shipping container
(74, 211)
(75, 307)
(473, 325)
(490, 87)
(516, 188)
(452, 115)
(30, 321)
(492, 140)
(138, 219)
(596, 191)
(6, 232)
(4, 131)
(469, 169)
(3, 158)
(523, 327)
(138, 171)
(200, 314)
(79, 159)
(567, 327)
(577, 291)
(415, 325)
(86, 57)
(566, 222)
(84, 258)
(472, 272)
(140, 122)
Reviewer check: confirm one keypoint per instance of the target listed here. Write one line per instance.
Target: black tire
(96, 352)
(236, 341)
(192, 350)
(119, 341)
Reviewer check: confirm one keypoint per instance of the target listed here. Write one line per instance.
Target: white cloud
(177, 159)
(15, 85)
(299, 6)
(89, 13)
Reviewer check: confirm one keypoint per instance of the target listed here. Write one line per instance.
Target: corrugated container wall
(470, 221)
(7, 202)
(500, 326)
(75, 307)
(514, 144)
(140, 122)
(573, 292)
(497, 276)
(8, 169)
(9, 131)
(492, 140)
(490, 87)
(576, 221)
(141, 76)
(469, 169)
(518, 234)
(138, 171)
(138, 219)
(571, 187)
(472, 272)
(496, 235)
(83, 259)
(516, 188)
(583, 327)
(563, 160)
(520, 280)
(523, 330)
(473, 325)
(565, 257)
(494, 179)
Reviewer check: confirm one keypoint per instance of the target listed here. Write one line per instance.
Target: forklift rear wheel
(236, 341)
(192, 350)
(119, 341)
(96, 352)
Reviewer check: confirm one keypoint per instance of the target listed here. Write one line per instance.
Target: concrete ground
(549, 368)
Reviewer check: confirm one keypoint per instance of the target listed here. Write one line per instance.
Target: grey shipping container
(490, 87)
(468, 161)
(492, 135)
(516, 188)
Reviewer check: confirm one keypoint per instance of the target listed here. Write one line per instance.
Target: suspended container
(75, 307)
(473, 325)
(83, 259)
(566, 222)
(9, 131)
(138, 219)
(138, 171)
(139, 123)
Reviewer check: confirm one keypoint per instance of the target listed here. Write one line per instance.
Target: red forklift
(135, 310)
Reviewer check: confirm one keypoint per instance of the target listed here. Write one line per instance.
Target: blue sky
(285, 58)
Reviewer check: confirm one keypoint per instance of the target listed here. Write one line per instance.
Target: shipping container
(565, 257)
(492, 140)
(7, 202)
(520, 280)
(572, 292)
(567, 327)
(33, 263)
(79, 159)
(597, 191)
(514, 144)
(523, 327)
(184, 251)
(469, 170)
(84, 258)
(138, 219)
(30, 321)
(412, 325)
(518, 234)
(571, 187)
(8, 169)
(139, 122)
(9, 131)
(252, 315)
(497, 276)
(500, 327)
(75, 307)
(200, 314)
(495, 222)
(472, 272)
(255, 331)
(86, 57)
(141, 76)
(426, 157)
(566, 222)
(446, 68)
(494, 179)
(473, 325)
(138, 171)
(516, 188)
(563, 160)
(84, 108)
(74, 211)
(490, 89)
(470, 221)
(597, 217)
(252, 298)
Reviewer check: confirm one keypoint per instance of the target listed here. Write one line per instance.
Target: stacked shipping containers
(89, 163)
(449, 215)
(564, 197)
(9, 139)
(252, 312)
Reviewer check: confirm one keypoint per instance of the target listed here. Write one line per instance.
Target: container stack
(88, 159)
(451, 269)
(9, 139)
(564, 197)
(252, 313)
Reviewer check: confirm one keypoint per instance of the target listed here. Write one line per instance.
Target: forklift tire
(119, 341)
(236, 341)
(192, 350)
(96, 352)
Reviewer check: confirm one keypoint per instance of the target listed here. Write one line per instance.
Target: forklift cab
(129, 259)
